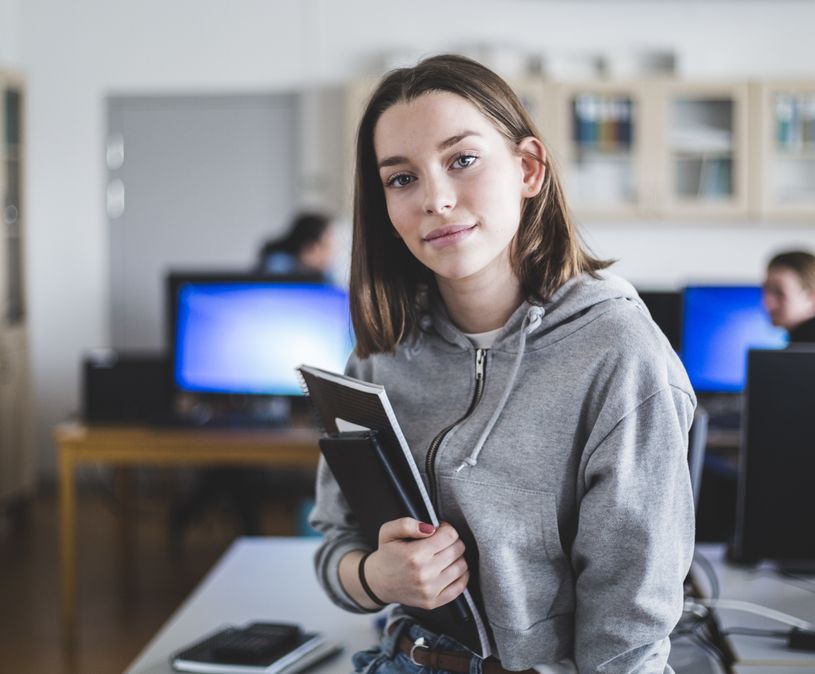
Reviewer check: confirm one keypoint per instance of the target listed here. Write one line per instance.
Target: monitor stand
(724, 410)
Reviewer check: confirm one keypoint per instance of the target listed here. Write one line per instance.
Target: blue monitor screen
(720, 324)
(248, 337)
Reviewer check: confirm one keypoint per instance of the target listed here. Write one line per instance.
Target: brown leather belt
(452, 661)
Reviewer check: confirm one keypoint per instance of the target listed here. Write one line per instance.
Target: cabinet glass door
(794, 157)
(703, 149)
(706, 138)
(603, 135)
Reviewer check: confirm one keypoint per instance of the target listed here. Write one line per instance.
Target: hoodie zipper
(430, 459)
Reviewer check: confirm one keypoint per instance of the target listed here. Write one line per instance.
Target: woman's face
(453, 187)
(788, 302)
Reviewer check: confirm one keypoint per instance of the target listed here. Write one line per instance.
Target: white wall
(10, 52)
(77, 53)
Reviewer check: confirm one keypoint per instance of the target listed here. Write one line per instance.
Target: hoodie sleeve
(341, 534)
(635, 534)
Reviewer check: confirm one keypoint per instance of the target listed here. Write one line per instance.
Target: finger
(453, 572)
(446, 534)
(406, 527)
(454, 589)
(446, 556)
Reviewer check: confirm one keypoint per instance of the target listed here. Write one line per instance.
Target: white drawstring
(532, 320)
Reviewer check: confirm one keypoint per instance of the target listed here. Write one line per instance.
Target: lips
(449, 235)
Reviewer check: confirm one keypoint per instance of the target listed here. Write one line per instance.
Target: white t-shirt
(483, 340)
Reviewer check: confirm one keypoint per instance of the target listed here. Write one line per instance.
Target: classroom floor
(112, 627)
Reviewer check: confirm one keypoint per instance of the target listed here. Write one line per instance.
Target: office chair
(697, 439)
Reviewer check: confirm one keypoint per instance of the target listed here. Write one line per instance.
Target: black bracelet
(364, 582)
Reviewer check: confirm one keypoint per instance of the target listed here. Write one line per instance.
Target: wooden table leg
(68, 544)
(123, 488)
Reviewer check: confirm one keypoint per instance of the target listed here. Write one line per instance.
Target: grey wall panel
(206, 180)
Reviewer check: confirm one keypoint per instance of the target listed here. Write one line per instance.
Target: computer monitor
(235, 334)
(665, 308)
(719, 325)
(777, 461)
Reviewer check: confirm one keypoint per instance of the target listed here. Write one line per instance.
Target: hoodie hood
(533, 326)
(571, 301)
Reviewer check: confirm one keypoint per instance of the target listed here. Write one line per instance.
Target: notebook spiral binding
(314, 413)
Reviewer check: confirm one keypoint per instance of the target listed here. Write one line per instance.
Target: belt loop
(392, 646)
(476, 665)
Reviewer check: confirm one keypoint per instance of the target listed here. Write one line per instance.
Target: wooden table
(126, 446)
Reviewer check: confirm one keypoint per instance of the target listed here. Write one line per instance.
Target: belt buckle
(421, 642)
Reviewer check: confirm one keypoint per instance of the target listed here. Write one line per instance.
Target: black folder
(379, 478)
(368, 481)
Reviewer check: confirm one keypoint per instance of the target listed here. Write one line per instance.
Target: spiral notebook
(342, 403)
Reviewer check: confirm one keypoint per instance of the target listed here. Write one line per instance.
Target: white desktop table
(758, 655)
(270, 579)
(273, 579)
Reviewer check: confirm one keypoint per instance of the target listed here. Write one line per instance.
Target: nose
(439, 196)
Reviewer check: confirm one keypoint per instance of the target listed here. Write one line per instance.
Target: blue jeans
(387, 658)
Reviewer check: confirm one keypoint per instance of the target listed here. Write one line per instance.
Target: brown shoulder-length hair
(799, 261)
(385, 276)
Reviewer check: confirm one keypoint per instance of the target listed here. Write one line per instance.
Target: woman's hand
(415, 564)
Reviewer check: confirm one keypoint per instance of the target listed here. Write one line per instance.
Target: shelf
(807, 155)
(703, 155)
(600, 155)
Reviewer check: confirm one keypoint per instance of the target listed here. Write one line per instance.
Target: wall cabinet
(17, 453)
(652, 149)
(601, 135)
(783, 136)
(669, 149)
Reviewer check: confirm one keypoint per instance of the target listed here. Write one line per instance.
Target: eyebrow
(444, 145)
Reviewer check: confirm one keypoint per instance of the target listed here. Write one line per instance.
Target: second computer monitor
(720, 324)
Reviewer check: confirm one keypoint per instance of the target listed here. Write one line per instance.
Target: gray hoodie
(570, 476)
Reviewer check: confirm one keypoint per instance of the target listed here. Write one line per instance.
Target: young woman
(546, 411)
(789, 294)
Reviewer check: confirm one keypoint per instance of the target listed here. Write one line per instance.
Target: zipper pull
(480, 363)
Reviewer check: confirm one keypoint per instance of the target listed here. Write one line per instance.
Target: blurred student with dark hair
(308, 248)
(789, 294)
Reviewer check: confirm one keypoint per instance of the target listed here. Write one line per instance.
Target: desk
(759, 586)
(273, 578)
(260, 579)
(127, 446)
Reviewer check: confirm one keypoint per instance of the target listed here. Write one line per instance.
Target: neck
(481, 304)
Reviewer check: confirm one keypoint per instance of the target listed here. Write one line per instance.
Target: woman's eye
(464, 160)
(401, 180)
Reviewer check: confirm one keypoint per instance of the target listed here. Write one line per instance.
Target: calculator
(254, 642)
(255, 648)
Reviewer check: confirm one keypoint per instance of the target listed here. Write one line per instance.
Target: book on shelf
(378, 476)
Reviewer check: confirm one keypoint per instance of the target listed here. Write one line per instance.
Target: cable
(752, 632)
(781, 576)
(749, 607)
(704, 641)
(710, 572)
(806, 581)
(700, 626)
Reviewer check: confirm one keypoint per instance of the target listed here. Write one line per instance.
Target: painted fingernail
(426, 528)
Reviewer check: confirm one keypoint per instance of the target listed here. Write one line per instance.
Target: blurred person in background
(308, 249)
(789, 294)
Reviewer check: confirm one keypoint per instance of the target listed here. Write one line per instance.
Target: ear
(533, 166)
